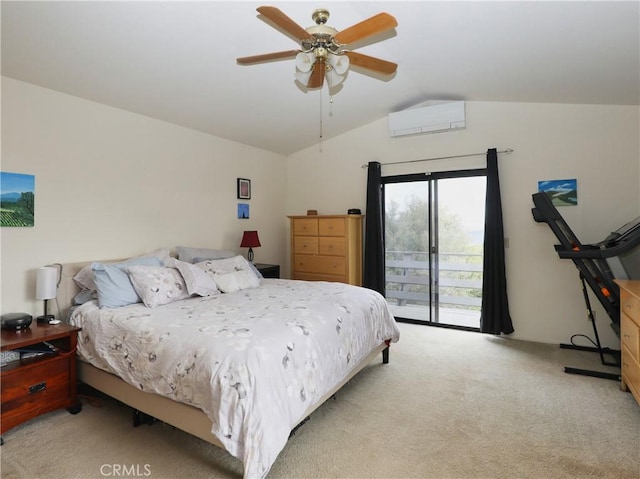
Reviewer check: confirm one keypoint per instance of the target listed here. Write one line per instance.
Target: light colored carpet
(451, 404)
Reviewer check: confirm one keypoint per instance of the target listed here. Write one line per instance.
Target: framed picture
(243, 211)
(17, 199)
(244, 189)
(561, 192)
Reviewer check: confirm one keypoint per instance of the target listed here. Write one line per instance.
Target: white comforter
(253, 360)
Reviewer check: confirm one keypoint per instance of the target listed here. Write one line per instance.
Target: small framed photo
(243, 211)
(244, 189)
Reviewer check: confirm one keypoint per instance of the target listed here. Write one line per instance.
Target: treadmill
(598, 264)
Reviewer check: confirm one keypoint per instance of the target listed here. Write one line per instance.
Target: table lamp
(250, 240)
(46, 289)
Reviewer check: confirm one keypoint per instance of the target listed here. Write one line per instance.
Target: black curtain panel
(374, 232)
(494, 317)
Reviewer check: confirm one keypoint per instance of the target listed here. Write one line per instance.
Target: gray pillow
(188, 254)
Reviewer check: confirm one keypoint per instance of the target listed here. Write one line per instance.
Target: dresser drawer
(305, 227)
(630, 336)
(331, 227)
(332, 246)
(321, 277)
(630, 305)
(43, 385)
(320, 264)
(631, 373)
(305, 245)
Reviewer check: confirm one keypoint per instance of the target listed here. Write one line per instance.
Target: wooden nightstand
(268, 270)
(37, 385)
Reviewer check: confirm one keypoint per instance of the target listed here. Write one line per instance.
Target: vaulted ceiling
(175, 61)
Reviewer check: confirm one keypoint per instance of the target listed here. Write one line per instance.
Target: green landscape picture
(17, 203)
(561, 192)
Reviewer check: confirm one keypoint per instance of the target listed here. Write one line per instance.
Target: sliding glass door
(434, 228)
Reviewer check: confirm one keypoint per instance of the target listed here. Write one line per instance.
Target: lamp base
(45, 318)
(250, 255)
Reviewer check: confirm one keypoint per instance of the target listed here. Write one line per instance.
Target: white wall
(597, 145)
(112, 184)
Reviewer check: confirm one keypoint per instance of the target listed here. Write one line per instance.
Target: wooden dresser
(630, 335)
(327, 248)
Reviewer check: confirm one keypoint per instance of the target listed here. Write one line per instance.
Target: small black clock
(15, 321)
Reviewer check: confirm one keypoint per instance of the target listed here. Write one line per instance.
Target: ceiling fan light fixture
(334, 78)
(323, 49)
(303, 77)
(339, 63)
(305, 61)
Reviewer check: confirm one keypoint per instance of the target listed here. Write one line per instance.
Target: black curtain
(374, 232)
(494, 317)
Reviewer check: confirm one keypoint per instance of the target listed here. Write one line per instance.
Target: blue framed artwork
(17, 200)
(561, 192)
(243, 211)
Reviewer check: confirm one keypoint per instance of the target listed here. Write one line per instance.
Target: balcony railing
(459, 282)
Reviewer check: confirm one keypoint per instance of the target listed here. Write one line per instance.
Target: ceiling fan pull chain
(321, 124)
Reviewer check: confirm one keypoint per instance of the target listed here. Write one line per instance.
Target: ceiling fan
(323, 49)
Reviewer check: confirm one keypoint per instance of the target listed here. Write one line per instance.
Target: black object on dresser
(268, 270)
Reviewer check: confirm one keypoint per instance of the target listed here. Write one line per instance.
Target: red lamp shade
(250, 240)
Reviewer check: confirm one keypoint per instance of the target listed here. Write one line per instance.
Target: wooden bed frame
(180, 415)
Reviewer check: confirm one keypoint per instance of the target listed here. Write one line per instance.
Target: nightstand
(268, 270)
(39, 384)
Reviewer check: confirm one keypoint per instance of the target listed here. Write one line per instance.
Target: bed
(240, 368)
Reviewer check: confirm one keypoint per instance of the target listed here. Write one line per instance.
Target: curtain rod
(507, 151)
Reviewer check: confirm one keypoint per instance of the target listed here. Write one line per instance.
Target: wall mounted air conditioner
(428, 119)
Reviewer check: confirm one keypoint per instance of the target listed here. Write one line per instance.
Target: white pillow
(157, 285)
(222, 266)
(197, 281)
(236, 281)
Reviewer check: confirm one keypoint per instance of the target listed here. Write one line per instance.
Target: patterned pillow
(222, 266)
(157, 285)
(230, 274)
(236, 281)
(197, 281)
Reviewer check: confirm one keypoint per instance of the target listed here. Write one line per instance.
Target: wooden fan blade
(371, 63)
(267, 57)
(276, 16)
(317, 75)
(377, 24)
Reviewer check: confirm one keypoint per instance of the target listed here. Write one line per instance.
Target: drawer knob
(36, 388)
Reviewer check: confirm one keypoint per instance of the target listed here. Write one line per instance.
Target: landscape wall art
(561, 192)
(17, 200)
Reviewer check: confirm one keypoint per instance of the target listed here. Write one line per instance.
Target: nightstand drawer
(36, 386)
